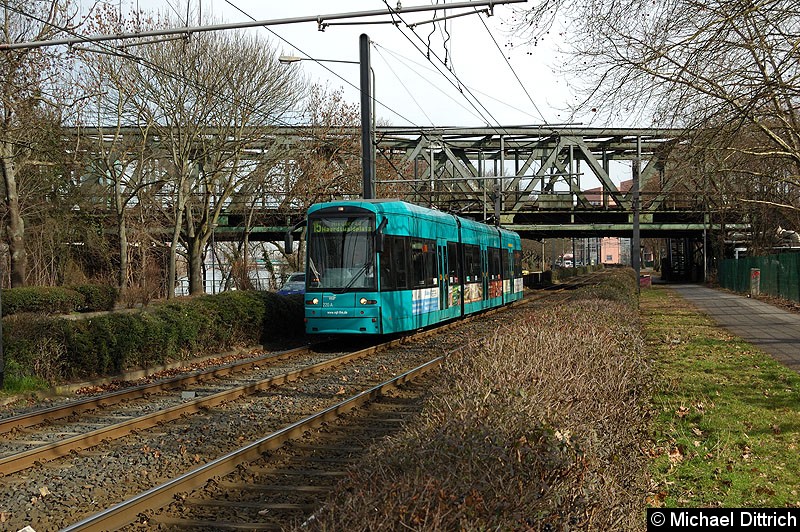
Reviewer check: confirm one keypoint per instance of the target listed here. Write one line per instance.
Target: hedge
(58, 299)
(70, 348)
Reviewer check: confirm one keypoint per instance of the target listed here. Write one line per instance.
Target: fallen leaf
(657, 499)
(675, 455)
(44, 491)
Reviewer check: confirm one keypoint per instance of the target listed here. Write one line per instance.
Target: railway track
(339, 445)
(51, 433)
(69, 484)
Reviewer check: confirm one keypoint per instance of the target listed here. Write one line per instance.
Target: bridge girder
(533, 178)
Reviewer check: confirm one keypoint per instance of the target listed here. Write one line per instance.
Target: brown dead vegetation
(537, 428)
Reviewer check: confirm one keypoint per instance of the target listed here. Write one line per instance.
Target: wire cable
(458, 86)
(400, 58)
(389, 66)
(512, 69)
(320, 63)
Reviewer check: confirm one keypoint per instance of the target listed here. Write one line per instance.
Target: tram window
(472, 263)
(517, 263)
(424, 271)
(454, 272)
(394, 263)
(494, 264)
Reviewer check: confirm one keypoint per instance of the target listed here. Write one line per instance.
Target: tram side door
(485, 270)
(444, 285)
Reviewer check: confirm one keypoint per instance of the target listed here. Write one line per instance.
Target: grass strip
(726, 426)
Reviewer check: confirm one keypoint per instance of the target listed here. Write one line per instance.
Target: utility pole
(367, 132)
(635, 241)
(498, 183)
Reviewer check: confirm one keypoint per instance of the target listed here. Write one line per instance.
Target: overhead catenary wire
(458, 86)
(474, 101)
(321, 63)
(319, 19)
(405, 60)
(525, 90)
(389, 66)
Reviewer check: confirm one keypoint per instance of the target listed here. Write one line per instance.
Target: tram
(386, 266)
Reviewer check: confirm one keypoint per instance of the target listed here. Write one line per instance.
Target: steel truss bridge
(549, 182)
(541, 181)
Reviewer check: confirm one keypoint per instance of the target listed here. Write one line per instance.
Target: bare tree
(210, 98)
(116, 136)
(326, 165)
(28, 78)
(727, 70)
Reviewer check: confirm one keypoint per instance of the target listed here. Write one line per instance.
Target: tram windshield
(340, 253)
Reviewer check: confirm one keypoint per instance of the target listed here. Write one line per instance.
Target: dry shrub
(50, 360)
(539, 428)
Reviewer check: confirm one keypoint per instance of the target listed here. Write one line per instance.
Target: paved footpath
(772, 329)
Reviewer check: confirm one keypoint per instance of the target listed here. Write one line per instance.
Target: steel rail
(159, 496)
(20, 461)
(23, 460)
(101, 401)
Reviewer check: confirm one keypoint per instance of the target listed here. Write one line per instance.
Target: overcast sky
(410, 88)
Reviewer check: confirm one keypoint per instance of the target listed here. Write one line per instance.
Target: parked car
(295, 284)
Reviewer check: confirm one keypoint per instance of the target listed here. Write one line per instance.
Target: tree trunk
(15, 229)
(122, 235)
(195, 248)
(173, 253)
(122, 280)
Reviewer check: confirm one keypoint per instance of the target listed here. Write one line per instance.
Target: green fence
(780, 274)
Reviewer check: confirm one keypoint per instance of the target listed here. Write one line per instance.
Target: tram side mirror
(380, 238)
(288, 243)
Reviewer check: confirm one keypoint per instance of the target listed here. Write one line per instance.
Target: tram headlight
(365, 301)
(314, 301)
